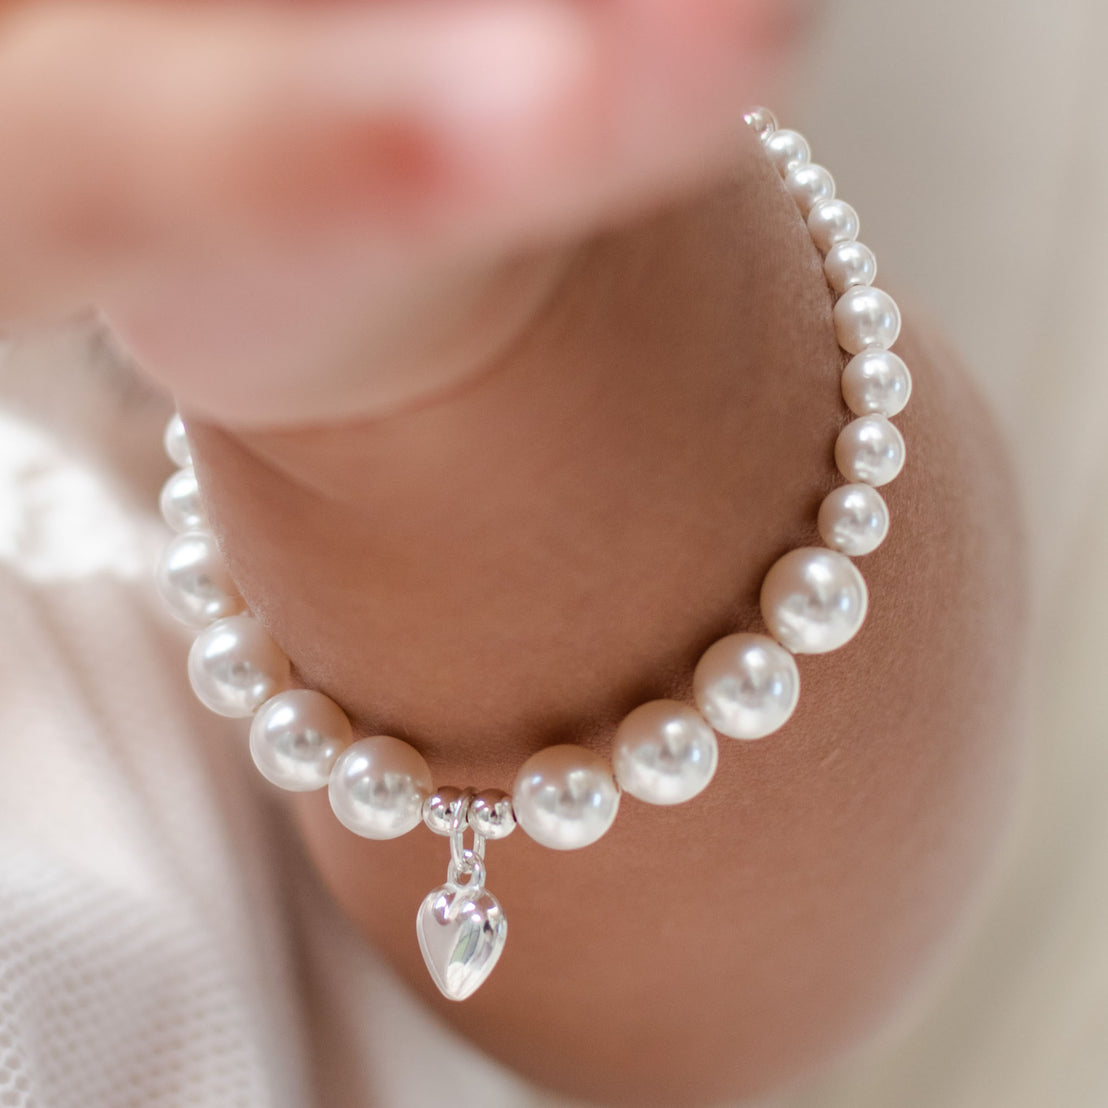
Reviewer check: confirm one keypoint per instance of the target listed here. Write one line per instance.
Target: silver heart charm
(462, 932)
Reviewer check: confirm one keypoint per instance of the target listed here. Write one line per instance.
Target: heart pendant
(461, 934)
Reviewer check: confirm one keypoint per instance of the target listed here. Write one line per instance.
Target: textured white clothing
(163, 943)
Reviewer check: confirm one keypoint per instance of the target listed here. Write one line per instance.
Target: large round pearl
(869, 450)
(746, 686)
(664, 753)
(234, 666)
(832, 221)
(565, 797)
(865, 316)
(876, 381)
(814, 600)
(180, 501)
(296, 737)
(853, 519)
(378, 787)
(176, 441)
(848, 264)
(808, 185)
(193, 581)
(787, 150)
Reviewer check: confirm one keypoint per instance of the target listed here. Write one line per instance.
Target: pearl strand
(745, 687)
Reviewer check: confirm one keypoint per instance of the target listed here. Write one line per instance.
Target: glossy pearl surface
(491, 814)
(787, 150)
(876, 381)
(814, 600)
(869, 450)
(761, 121)
(664, 753)
(848, 264)
(176, 441)
(565, 797)
(865, 316)
(296, 737)
(193, 581)
(832, 221)
(378, 787)
(180, 501)
(808, 185)
(746, 686)
(853, 519)
(234, 666)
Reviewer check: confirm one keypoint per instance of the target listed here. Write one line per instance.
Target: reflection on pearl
(832, 221)
(296, 737)
(746, 686)
(787, 150)
(176, 442)
(876, 381)
(848, 264)
(378, 787)
(853, 519)
(565, 797)
(193, 580)
(808, 185)
(869, 450)
(234, 666)
(761, 121)
(865, 316)
(180, 501)
(664, 753)
(814, 600)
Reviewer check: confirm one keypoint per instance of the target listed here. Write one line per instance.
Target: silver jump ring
(472, 866)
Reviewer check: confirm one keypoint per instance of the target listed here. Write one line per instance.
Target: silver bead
(787, 150)
(441, 808)
(234, 666)
(378, 787)
(193, 580)
(761, 121)
(664, 753)
(176, 441)
(180, 501)
(869, 451)
(296, 737)
(491, 815)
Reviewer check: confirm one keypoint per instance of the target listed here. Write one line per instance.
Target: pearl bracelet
(745, 686)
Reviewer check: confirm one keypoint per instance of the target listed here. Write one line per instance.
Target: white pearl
(193, 580)
(869, 450)
(787, 150)
(378, 787)
(808, 185)
(234, 666)
(814, 600)
(180, 501)
(746, 686)
(876, 381)
(849, 263)
(664, 753)
(296, 737)
(832, 221)
(853, 519)
(761, 121)
(565, 797)
(865, 316)
(176, 441)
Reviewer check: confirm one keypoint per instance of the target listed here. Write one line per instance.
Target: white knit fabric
(163, 942)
